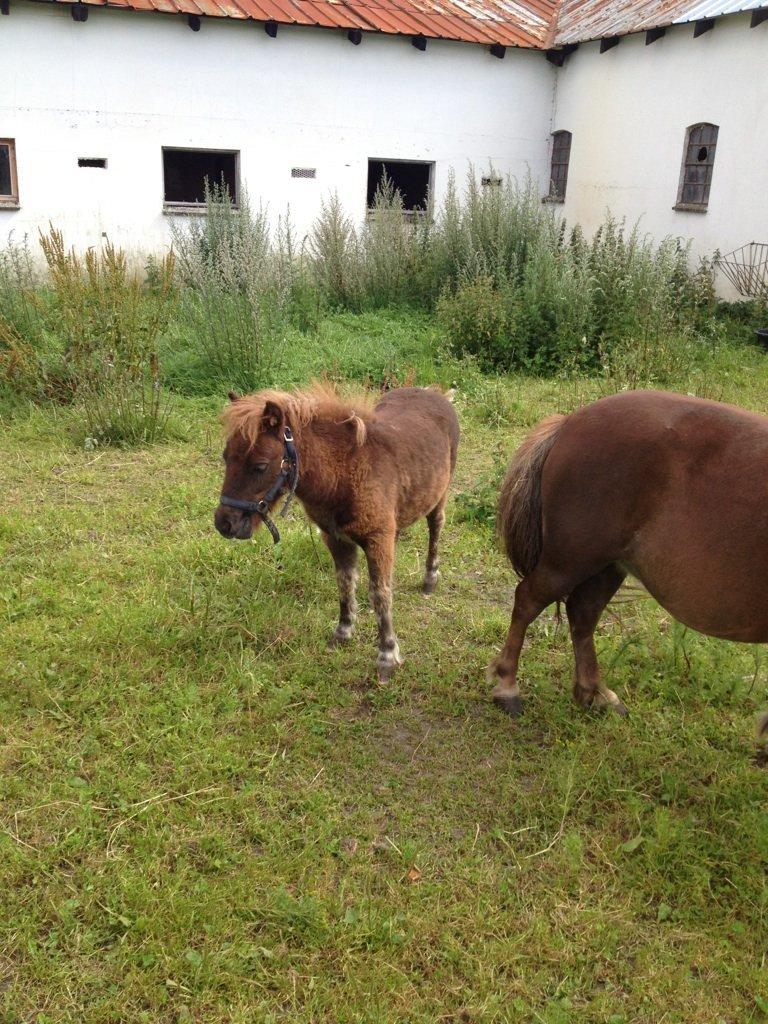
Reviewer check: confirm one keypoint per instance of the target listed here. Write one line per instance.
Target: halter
(286, 480)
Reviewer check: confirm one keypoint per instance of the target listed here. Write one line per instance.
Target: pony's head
(254, 458)
(256, 452)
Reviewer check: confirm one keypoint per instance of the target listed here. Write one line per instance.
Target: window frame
(553, 195)
(178, 206)
(685, 205)
(409, 214)
(11, 201)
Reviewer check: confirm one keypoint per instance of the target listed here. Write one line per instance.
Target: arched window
(698, 161)
(561, 154)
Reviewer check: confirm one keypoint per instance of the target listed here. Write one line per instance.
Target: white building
(112, 115)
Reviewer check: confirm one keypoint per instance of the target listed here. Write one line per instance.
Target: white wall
(124, 84)
(628, 110)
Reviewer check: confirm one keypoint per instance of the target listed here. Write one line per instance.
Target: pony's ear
(233, 396)
(274, 417)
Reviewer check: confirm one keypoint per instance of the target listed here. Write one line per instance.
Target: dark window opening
(698, 164)
(186, 171)
(9, 191)
(561, 155)
(92, 161)
(411, 180)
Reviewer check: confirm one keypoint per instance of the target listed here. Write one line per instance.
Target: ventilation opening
(303, 172)
(489, 181)
(186, 171)
(92, 161)
(412, 181)
(702, 155)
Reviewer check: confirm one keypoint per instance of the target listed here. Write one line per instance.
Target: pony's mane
(319, 402)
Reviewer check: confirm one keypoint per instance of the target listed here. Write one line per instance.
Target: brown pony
(362, 474)
(671, 489)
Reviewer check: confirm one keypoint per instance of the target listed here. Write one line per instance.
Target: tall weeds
(89, 337)
(240, 289)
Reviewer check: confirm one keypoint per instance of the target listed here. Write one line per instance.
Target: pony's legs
(344, 554)
(584, 606)
(533, 594)
(435, 520)
(380, 555)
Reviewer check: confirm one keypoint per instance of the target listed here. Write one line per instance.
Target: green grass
(208, 815)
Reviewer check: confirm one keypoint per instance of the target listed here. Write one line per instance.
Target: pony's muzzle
(232, 523)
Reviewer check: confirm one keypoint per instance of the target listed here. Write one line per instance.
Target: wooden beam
(758, 17)
(355, 36)
(79, 12)
(700, 27)
(608, 43)
(270, 27)
(193, 20)
(497, 50)
(653, 34)
(559, 57)
(420, 42)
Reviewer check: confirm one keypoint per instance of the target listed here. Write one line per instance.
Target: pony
(362, 472)
(668, 488)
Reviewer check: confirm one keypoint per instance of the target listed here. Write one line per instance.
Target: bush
(479, 320)
(238, 292)
(91, 337)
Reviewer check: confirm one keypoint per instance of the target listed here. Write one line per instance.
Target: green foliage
(233, 306)
(90, 337)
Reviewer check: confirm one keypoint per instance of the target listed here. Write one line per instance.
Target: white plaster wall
(628, 110)
(124, 84)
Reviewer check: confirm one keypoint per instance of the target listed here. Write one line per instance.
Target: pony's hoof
(430, 585)
(385, 672)
(386, 664)
(339, 637)
(512, 703)
(599, 700)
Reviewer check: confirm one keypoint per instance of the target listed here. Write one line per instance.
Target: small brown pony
(362, 474)
(671, 489)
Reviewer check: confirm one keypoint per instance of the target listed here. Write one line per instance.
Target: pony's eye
(261, 466)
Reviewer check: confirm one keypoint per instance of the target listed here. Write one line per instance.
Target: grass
(209, 816)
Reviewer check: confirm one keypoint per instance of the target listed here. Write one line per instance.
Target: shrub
(90, 337)
(479, 320)
(234, 304)
(333, 248)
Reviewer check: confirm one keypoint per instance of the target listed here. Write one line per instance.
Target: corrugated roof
(581, 20)
(536, 24)
(508, 22)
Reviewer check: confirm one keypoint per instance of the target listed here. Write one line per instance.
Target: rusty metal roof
(580, 20)
(508, 22)
(535, 24)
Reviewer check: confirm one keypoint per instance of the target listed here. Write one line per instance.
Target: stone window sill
(553, 199)
(690, 208)
(188, 209)
(10, 204)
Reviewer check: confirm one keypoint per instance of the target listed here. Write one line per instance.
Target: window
(185, 172)
(9, 188)
(412, 180)
(92, 161)
(558, 175)
(696, 173)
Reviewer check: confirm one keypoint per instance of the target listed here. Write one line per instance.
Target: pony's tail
(519, 517)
